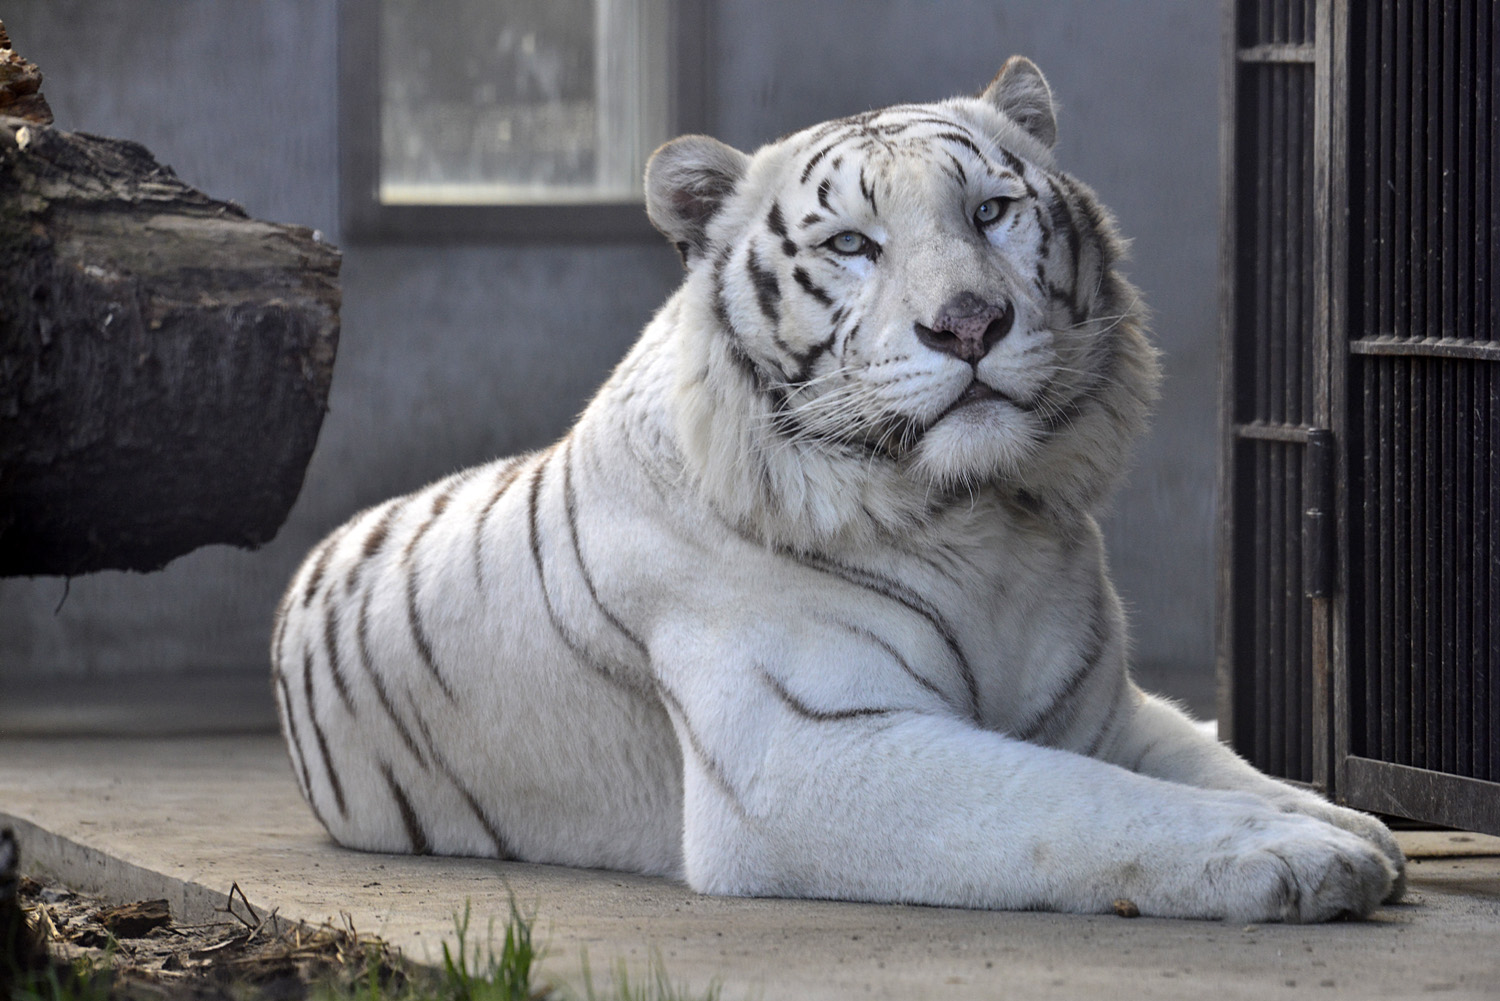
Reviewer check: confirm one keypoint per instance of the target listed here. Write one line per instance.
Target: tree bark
(164, 359)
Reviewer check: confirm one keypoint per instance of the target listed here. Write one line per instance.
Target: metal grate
(1424, 599)
(1359, 635)
(1273, 408)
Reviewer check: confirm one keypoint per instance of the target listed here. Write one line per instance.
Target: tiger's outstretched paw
(1293, 800)
(1298, 869)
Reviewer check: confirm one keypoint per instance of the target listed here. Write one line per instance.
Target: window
(529, 118)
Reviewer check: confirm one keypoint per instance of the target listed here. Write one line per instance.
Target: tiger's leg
(1153, 737)
(783, 796)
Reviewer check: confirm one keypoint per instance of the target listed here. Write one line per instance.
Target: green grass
(473, 973)
(506, 977)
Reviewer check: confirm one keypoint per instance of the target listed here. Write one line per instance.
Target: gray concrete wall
(454, 354)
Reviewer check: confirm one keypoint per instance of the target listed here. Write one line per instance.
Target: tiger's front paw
(1292, 867)
(1293, 800)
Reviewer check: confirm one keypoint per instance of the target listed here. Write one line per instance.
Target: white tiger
(811, 601)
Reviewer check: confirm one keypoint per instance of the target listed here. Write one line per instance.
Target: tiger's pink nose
(967, 327)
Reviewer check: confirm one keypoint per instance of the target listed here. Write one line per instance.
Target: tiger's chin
(980, 442)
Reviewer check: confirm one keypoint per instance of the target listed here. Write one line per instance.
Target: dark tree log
(164, 360)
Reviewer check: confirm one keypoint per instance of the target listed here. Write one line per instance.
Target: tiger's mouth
(976, 393)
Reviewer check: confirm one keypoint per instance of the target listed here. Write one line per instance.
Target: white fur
(798, 658)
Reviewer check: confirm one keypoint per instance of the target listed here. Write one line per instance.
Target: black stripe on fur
(705, 760)
(331, 648)
(867, 189)
(767, 289)
(503, 480)
(294, 746)
(1061, 708)
(570, 501)
(409, 819)
(539, 564)
(907, 598)
(312, 715)
(362, 646)
(807, 712)
(804, 280)
(413, 573)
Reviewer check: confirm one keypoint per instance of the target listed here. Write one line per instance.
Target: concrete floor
(186, 818)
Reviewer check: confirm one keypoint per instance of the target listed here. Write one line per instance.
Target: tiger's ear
(1020, 92)
(687, 182)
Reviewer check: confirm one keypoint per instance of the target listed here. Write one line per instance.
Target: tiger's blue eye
(990, 210)
(849, 242)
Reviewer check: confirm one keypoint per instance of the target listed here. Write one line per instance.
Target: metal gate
(1359, 626)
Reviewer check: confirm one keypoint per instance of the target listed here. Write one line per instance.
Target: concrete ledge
(187, 818)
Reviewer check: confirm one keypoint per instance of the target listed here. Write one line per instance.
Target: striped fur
(811, 601)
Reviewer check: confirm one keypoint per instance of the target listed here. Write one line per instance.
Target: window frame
(365, 218)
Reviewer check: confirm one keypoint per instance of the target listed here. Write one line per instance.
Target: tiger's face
(916, 284)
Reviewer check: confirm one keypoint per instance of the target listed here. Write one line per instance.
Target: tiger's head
(907, 302)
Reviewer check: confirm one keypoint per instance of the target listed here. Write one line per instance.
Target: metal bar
(1415, 119)
(1451, 564)
(1399, 624)
(1276, 53)
(1465, 157)
(1429, 569)
(1450, 199)
(1464, 594)
(1400, 179)
(1228, 530)
(1326, 24)
(1318, 515)
(1362, 685)
(1318, 307)
(1308, 649)
(1493, 505)
(1428, 140)
(1415, 527)
(1429, 347)
(1260, 624)
(1275, 323)
(1274, 661)
(1261, 306)
(1373, 666)
(1294, 376)
(1262, 431)
(1488, 300)
(1382, 723)
(1264, 625)
(1294, 263)
(1385, 185)
(1452, 556)
(1481, 598)
(1484, 600)
(1385, 708)
(1450, 800)
(1294, 650)
(1486, 175)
